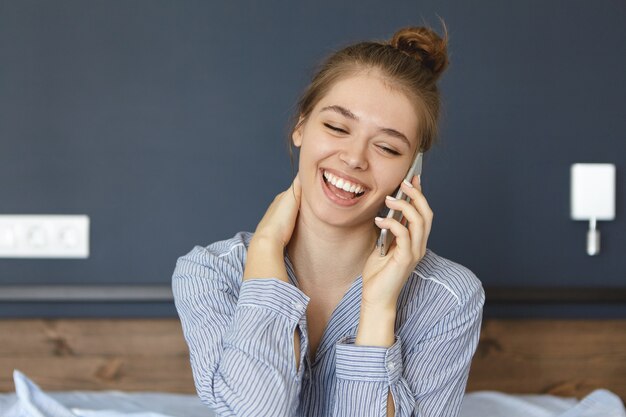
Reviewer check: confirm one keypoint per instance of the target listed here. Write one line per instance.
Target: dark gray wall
(165, 122)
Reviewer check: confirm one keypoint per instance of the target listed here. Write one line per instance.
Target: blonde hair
(411, 61)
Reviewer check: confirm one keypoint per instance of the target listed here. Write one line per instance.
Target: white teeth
(343, 184)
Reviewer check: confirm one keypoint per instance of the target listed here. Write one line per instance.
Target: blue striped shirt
(241, 340)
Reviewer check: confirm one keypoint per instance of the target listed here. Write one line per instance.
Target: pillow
(33, 402)
(599, 403)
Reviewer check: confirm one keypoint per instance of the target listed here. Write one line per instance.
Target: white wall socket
(44, 236)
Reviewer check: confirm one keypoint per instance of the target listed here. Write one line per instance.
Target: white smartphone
(386, 237)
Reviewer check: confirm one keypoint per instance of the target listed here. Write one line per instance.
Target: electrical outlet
(44, 236)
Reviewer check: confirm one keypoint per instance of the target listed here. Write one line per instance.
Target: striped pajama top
(241, 341)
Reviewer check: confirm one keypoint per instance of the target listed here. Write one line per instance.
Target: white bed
(30, 401)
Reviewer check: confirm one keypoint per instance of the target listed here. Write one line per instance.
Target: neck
(329, 257)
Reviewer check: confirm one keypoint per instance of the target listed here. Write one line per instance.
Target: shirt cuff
(275, 295)
(368, 363)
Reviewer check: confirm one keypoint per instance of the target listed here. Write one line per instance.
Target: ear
(296, 135)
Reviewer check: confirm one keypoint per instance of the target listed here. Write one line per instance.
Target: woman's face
(361, 131)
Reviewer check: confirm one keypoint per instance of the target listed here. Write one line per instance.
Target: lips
(343, 202)
(343, 187)
(341, 175)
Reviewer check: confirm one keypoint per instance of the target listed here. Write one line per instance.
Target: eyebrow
(348, 114)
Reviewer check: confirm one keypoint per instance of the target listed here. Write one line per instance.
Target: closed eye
(336, 129)
(383, 148)
(389, 150)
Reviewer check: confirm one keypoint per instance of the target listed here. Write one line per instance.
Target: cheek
(309, 163)
(392, 176)
(313, 151)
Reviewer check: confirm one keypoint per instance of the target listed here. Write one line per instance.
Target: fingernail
(390, 198)
(419, 179)
(408, 184)
(378, 219)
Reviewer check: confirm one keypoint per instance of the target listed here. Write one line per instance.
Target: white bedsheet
(30, 401)
(599, 403)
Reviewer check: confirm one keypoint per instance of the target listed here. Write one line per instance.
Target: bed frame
(559, 357)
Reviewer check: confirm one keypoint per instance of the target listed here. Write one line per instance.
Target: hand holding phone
(386, 237)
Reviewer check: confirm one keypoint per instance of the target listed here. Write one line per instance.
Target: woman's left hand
(384, 276)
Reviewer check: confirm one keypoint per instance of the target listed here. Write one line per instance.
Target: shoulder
(438, 286)
(226, 257)
(227, 250)
(446, 276)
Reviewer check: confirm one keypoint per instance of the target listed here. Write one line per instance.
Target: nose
(355, 155)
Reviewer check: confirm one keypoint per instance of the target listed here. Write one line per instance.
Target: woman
(304, 317)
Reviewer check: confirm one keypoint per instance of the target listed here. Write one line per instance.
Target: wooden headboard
(560, 357)
(96, 354)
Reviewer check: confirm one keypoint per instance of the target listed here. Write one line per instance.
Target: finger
(417, 181)
(401, 246)
(415, 225)
(289, 199)
(296, 188)
(296, 181)
(419, 202)
(414, 192)
(402, 236)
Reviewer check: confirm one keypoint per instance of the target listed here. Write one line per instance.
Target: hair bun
(425, 46)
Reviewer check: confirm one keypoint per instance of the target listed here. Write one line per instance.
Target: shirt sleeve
(426, 377)
(241, 347)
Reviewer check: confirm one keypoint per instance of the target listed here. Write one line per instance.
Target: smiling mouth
(340, 192)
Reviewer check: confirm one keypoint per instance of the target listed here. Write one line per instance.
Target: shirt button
(298, 306)
(391, 366)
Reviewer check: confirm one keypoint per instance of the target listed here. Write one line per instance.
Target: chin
(338, 219)
(323, 209)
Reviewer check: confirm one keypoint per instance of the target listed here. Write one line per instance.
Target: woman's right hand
(265, 257)
(279, 221)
